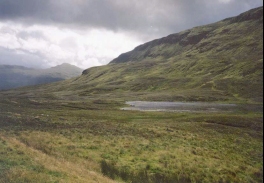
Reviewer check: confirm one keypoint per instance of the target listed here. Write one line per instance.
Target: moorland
(75, 130)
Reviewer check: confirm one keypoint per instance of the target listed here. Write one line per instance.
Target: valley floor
(92, 140)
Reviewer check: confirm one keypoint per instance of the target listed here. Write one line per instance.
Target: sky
(87, 33)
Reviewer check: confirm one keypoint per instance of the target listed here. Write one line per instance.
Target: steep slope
(17, 76)
(214, 39)
(225, 56)
(220, 61)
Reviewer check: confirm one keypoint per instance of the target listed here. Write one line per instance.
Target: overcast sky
(86, 33)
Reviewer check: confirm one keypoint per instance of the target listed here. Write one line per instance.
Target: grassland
(50, 139)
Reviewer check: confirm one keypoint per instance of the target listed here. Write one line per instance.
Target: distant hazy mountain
(16, 76)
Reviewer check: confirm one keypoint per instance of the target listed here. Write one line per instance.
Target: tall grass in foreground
(141, 176)
(74, 143)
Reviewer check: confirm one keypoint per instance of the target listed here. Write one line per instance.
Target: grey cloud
(146, 18)
(27, 59)
(31, 34)
(24, 9)
(7, 30)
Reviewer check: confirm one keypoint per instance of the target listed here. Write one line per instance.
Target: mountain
(213, 39)
(64, 71)
(17, 76)
(222, 61)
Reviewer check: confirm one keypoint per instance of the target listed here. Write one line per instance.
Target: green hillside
(222, 61)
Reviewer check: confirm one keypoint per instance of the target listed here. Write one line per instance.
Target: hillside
(17, 76)
(214, 39)
(222, 61)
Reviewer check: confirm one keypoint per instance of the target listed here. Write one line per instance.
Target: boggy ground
(91, 140)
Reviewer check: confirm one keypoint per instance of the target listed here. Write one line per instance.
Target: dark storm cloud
(149, 17)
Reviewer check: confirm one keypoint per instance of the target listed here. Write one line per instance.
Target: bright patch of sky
(60, 45)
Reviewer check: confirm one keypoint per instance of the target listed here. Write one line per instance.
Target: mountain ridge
(253, 14)
(222, 61)
(225, 60)
(13, 76)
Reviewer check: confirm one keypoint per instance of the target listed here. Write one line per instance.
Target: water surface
(179, 106)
